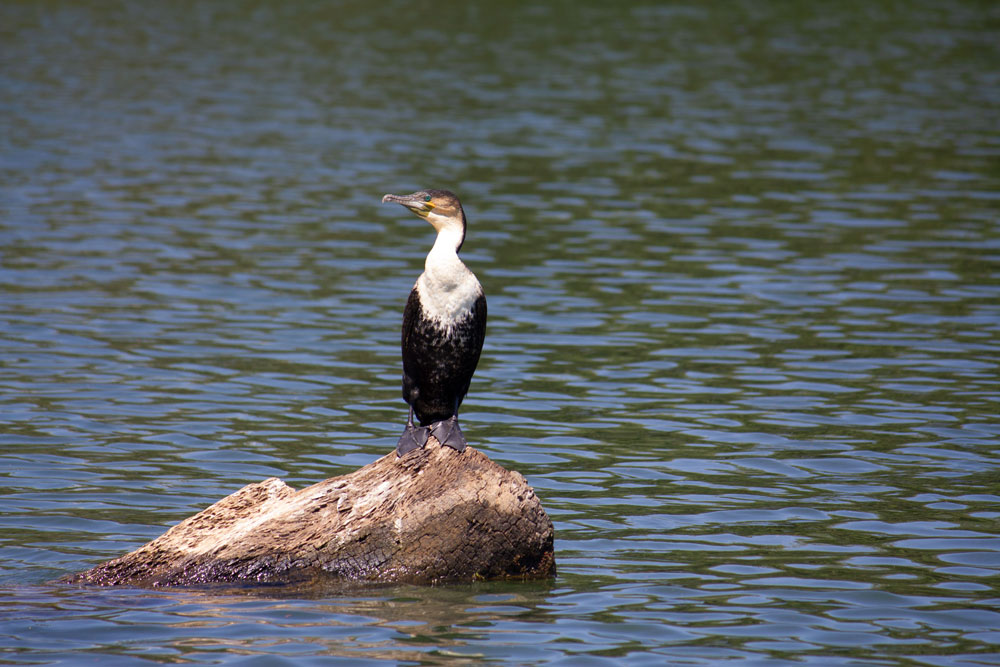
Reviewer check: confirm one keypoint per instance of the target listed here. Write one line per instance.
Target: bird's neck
(443, 257)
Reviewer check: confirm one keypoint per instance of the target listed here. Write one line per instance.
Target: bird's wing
(479, 311)
(410, 314)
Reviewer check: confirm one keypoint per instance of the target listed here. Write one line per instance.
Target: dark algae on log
(434, 515)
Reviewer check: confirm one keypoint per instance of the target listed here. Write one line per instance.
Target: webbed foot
(449, 433)
(414, 437)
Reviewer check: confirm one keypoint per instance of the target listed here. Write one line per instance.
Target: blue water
(742, 268)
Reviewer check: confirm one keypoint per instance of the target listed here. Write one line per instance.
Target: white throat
(447, 288)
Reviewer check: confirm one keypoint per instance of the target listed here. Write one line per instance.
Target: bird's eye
(427, 198)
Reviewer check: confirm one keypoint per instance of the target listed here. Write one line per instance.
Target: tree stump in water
(433, 515)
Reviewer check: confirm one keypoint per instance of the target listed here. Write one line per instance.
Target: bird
(444, 326)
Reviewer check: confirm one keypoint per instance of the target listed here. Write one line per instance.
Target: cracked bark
(434, 515)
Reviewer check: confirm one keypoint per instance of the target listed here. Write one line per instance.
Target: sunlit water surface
(742, 268)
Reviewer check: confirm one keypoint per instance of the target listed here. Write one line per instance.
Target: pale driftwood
(434, 515)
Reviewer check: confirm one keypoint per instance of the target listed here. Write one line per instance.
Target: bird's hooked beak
(419, 202)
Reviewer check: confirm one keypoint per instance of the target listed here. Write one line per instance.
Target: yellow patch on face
(422, 208)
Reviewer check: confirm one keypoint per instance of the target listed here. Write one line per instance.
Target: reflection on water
(742, 273)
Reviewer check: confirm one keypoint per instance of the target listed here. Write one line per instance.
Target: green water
(742, 271)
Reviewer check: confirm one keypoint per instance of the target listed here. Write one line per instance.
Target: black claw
(414, 437)
(449, 433)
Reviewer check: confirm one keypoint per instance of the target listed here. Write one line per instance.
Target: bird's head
(438, 207)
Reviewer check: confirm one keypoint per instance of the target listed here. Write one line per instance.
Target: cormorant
(444, 324)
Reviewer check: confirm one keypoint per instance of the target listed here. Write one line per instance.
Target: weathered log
(433, 515)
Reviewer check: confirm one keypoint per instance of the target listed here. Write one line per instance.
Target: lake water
(743, 268)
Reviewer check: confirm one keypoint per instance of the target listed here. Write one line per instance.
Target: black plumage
(438, 364)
